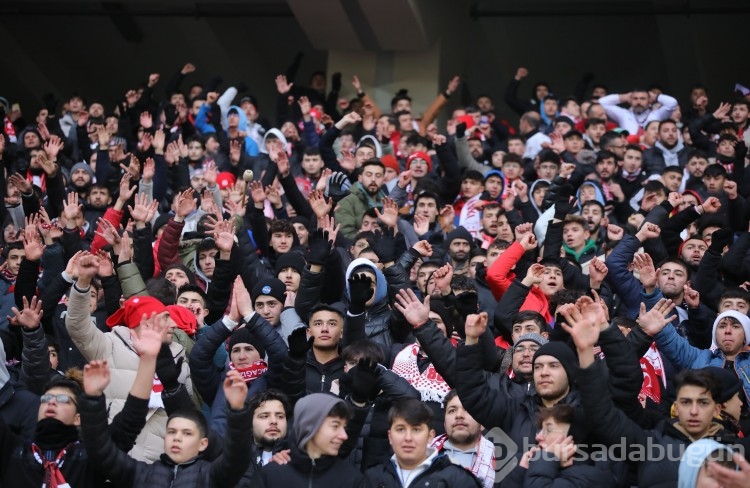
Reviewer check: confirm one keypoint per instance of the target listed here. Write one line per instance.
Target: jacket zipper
(322, 387)
(310, 478)
(174, 476)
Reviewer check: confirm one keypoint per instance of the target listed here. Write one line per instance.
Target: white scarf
(670, 155)
(471, 218)
(430, 385)
(483, 466)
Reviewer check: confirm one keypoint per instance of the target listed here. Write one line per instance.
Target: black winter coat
(127, 472)
(303, 472)
(442, 473)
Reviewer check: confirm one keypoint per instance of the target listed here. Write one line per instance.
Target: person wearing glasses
(54, 456)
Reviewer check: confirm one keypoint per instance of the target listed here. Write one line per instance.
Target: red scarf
(252, 372)
(53, 477)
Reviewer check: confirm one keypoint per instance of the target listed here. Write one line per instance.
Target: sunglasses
(60, 398)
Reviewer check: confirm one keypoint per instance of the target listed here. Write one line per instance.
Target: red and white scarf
(429, 384)
(653, 372)
(53, 477)
(483, 466)
(252, 372)
(154, 401)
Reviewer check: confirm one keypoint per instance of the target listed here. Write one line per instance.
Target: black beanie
(160, 222)
(302, 220)
(290, 260)
(190, 275)
(272, 287)
(562, 353)
(459, 233)
(246, 336)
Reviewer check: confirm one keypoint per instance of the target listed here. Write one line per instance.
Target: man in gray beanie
(317, 438)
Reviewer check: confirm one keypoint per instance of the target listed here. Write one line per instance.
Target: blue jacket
(201, 123)
(622, 281)
(683, 355)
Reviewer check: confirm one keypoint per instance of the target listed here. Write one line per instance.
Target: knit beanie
(537, 338)
(390, 161)
(190, 275)
(84, 167)
(290, 260)
(562, 353)
(730, 383)
(243, 335)
(272, 287)
(459, 233)
(419, 155)
(447, 314)
(740, 317)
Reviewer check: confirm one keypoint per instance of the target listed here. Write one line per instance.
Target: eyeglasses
(521, 350)
(60, 398)
(545, 431)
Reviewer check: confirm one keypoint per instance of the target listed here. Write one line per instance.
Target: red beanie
(225, 179)
(184, 319)
(133, 310)
(389, 161)
(419, 155)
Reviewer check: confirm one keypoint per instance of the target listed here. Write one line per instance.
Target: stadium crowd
(196, 293)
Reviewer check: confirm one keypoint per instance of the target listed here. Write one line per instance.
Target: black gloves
(360, 290)
(720, 238)
(384, 246)
(460, 130)
(299, 344)
(362, 381)
(318, 247)
(337, 187)
(167, 370)
(336, 82)
(562, 202)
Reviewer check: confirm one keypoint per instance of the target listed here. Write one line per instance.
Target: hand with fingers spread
(53, 147)
(133, 168)
(224, 237)
(389, 214)
(319, 247)
(186, 204)
(158, 143)
(30, 317)
(23, 185)
(443, 276)
(109, 233)
(299, 343)
(126, 191)
(96, 377)
(329, 225)
(258, 194)
(282, 86)
(415, 312)
(321, 208)
(385, 245)
(148, 337)
(235, 152)
(583, 331)
(337, 186)
(72, 210)
(140, 210)
(106, 268)
(32, 244)
(273, 196)
(653, 321)
(646, 271)
(361, 290)
(421, 225)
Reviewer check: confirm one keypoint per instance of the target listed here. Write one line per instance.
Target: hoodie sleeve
(498, 275)
(201, 120)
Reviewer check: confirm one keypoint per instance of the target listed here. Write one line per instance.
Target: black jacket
(117, 465)
(442, 473)
(303, 472)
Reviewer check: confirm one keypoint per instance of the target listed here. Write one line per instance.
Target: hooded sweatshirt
(693, 459)
(309, 414)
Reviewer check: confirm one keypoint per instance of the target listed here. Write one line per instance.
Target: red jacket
(500, 276)
(114, 217)
(169, 244)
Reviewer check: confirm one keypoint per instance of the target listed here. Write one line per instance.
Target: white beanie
(741, 317)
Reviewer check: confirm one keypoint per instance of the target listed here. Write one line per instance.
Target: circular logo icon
(266, 290)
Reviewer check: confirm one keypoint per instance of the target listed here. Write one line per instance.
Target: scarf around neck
(670, 155)
(252, 372)
(483, 466)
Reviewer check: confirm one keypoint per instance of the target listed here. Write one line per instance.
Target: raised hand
(87, 267)
(597, 270)
(133, 168)
(421, 225)
(106, 268)
(360, 292)
(404, 178)
(385, 245)
(320, 206)
(304, 107)
(146, 120)
(722, 112)
(347, 161)
(188, 68)
(182, 147)
(158, 142)
(329, 225)
(149, 336)
(424, 248)
(443, 276)
(475, 326)
(692, 297)
(415, 312)
(23, 185)
(224, 236)
(235, 151)
(53, 147)
(30, 316)
(528, 241)
(711, 205)
(648, 231)
(71, 209)
(282, 86)
(107, 231)
(521, 73)
(583, 330)
(675, 199)
(123, 250)
(447, 216)
(96, 377)
(615, 232)
(235, 390)
(653, 321)
(389, 215)
(242, 298)
(32, 243)
(126, 191)
(140, 210)
(186, 203)
(453, 85)
(534, 275)
(646, 271)
(318, 247)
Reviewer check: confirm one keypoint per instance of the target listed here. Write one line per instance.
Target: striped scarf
(53, 477)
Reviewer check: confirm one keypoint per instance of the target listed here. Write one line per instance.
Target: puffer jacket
(116, 347)
(441, 473)
(303, 472)
(352, 209)
(164, 473)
